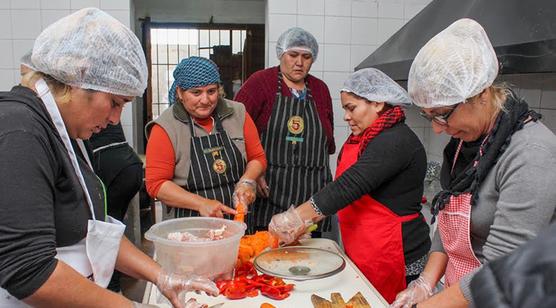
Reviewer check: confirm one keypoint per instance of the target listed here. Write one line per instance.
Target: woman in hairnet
(293, 113)
(498, 169)
(58, 248)
(378, 187)
(204, 153)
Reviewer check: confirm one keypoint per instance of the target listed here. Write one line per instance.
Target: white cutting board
(347, 282)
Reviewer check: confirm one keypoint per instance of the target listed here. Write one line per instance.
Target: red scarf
(386, 120)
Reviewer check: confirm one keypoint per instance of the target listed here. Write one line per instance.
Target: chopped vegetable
(267, 305)
(251, 246)
(241, 210)
(248, 283)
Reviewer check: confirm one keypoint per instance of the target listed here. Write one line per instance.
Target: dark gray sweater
(42, 205)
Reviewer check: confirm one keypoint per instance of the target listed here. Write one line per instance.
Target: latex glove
(417, 291)
(263, 190)
(171, 285)
(288, 226)
(215, 208)
(245, 192)
(141, 305)
(192, 303)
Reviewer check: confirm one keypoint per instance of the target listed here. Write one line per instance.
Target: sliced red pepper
(274, 293)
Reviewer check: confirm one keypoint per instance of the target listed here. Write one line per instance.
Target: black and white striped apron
(216, 166)
(296, 150)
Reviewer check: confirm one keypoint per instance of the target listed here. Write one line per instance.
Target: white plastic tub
(212, 259)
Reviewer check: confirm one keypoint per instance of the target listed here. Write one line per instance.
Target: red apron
(372, 236)
(454, 226)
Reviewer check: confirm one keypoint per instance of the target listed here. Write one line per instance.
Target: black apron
(216, 166)
(296, 150)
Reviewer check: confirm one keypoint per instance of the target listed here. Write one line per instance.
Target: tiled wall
(22, 20)
(347, 32)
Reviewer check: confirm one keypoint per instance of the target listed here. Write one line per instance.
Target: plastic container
(212, 259)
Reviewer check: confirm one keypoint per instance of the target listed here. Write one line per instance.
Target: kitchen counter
(347, 282)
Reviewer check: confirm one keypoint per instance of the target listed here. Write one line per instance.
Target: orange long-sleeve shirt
(161, 158)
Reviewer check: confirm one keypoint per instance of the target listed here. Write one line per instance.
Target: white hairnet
(92, 50)
(297, 38)
(455, 64)
(375, 86)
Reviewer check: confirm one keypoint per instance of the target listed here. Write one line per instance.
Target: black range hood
(522, 32)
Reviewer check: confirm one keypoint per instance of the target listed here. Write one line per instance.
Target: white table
(348, 282)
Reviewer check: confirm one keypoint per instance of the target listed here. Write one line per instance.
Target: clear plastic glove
(245, 192)
(417, 291)
(288, 226)
(171, 285)
(192, 303)
(215, 208)
(141, 305)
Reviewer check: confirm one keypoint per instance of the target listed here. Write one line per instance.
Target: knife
(217, 305)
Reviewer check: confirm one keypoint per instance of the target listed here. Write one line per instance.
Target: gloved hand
(263, 190)
(417, 291)
(288, 226)
(171, 285)
(245, 192)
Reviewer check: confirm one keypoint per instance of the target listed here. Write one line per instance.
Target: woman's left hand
(245, 192)
(171, 285)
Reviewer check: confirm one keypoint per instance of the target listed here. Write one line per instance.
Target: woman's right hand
(417, 291)
(263, 190)
(214, 208)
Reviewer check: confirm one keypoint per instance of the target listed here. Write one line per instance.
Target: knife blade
(217, 305)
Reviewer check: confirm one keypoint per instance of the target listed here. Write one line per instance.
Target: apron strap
(52, 108)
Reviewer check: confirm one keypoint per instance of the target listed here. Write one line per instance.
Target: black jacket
(525, 278)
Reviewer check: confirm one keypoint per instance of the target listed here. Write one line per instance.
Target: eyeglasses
(440, 119)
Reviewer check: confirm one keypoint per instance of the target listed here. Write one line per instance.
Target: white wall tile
(549, 119)
(437, 142)
(20, 48)
(6, 60)
(338, 113)
(337, 58)
(4, 5)
(318, 65)
(115, 4)
(17, 76)
(390, 10)
(79, 4)
(5, 24)
(55, 4)
(316, 73)
(310, 7)
(364, 8)
(272, 59)
(410, 10)
(337, 30)
(121, 15)
(360, 53)
(548, 99)
(6, 79)
(127, 114)
(387, 27)
(313, 24)
(337, 7)
(335, 81)
(364, 31)
(278, 23)
(282, 6)
(25, 4)
(26, 24)
(50, 16)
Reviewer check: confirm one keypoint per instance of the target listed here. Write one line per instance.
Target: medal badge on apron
(219, 165)
(295, 127)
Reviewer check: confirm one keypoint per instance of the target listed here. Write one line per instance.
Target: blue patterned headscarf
(193, 72)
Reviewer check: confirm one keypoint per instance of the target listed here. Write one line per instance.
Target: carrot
(241, 211)
(267, 305)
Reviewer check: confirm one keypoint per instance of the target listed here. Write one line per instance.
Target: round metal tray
(299, 263)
